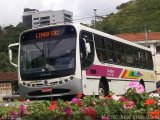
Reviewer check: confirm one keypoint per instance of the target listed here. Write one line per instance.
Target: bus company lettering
(104, 71)
(110, 72)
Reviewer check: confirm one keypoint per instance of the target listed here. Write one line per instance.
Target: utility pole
(95, 15)
(146, 35)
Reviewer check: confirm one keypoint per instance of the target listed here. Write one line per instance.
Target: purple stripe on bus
(97, 70)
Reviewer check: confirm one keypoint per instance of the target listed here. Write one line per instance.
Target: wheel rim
(101, 92)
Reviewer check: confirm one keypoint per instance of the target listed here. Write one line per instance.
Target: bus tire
(103, 88)
(142, 83)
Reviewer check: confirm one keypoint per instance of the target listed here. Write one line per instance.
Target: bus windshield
(48, 57)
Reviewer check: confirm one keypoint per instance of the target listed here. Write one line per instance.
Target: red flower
(108, 97)
(68, 111)
(22, 100)
(53, 105)
(79, 95)
(154, 114)
(79, 103)
(89, 112)
(149, 102)
(53, 102)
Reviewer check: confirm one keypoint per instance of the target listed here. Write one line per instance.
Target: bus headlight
(45, 82)
(66, 80)
(71, 78)
(24, 83)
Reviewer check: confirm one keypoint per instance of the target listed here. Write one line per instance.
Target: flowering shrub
(134, 104)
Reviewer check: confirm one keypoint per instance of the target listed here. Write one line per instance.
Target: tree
(131, 17)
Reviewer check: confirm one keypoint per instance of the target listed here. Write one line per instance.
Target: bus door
(87, 57)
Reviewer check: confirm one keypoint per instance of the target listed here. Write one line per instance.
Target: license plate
(46, 90)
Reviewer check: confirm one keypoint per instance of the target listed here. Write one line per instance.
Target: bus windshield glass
(48, 54)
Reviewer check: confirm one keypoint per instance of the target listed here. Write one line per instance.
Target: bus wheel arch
(103, 89)
(142, 83)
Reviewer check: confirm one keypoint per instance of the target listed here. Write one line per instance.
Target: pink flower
(14, 115)
(128, 105)
(123, 99)
(74, 100)
(133, 84)
(139, 88)
(22, 108)
(104, 118)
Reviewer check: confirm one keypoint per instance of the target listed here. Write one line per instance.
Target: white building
(152, 40)
(33, 18)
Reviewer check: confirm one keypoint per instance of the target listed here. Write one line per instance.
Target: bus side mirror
(87, 47)
(10, 53)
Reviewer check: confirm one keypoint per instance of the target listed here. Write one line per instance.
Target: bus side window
(149, 60)
(111, 52)
(129, 55)
(137, 57)
(100, 48)
(120, 53)
(143, 59)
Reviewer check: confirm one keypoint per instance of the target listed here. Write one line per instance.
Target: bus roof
(82, 27)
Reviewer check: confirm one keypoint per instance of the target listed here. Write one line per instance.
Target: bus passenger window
(149, 60)
(111, 52)
(101, 48)
(129, 55)
(137, 57)
(112, 57)
(143, 59)
(120, 53)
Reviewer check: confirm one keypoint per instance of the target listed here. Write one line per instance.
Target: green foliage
(8, 35)
(132, 17)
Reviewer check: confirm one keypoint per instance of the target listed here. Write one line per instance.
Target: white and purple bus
(62, 60)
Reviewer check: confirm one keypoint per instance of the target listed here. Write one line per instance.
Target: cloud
(11, 11)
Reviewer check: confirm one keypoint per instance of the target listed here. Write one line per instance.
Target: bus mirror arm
(10, 53)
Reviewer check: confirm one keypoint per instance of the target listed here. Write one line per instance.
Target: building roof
(8, 76)
(139, 36)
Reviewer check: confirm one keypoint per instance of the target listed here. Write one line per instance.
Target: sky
(11, 11)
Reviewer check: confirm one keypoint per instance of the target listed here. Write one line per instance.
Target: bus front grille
(54, 91)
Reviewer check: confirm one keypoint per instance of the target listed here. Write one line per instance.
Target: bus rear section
(113, 63)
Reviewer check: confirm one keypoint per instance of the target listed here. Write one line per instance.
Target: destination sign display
(46, 34)
(42, 33)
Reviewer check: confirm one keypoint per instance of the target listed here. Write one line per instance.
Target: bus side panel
(90, 85)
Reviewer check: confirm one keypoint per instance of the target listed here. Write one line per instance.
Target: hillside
(8, 35)
(132, 17)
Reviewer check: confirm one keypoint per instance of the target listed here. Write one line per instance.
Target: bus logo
(130, 74)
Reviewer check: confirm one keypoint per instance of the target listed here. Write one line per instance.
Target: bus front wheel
(103, 89)
(142, 83)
